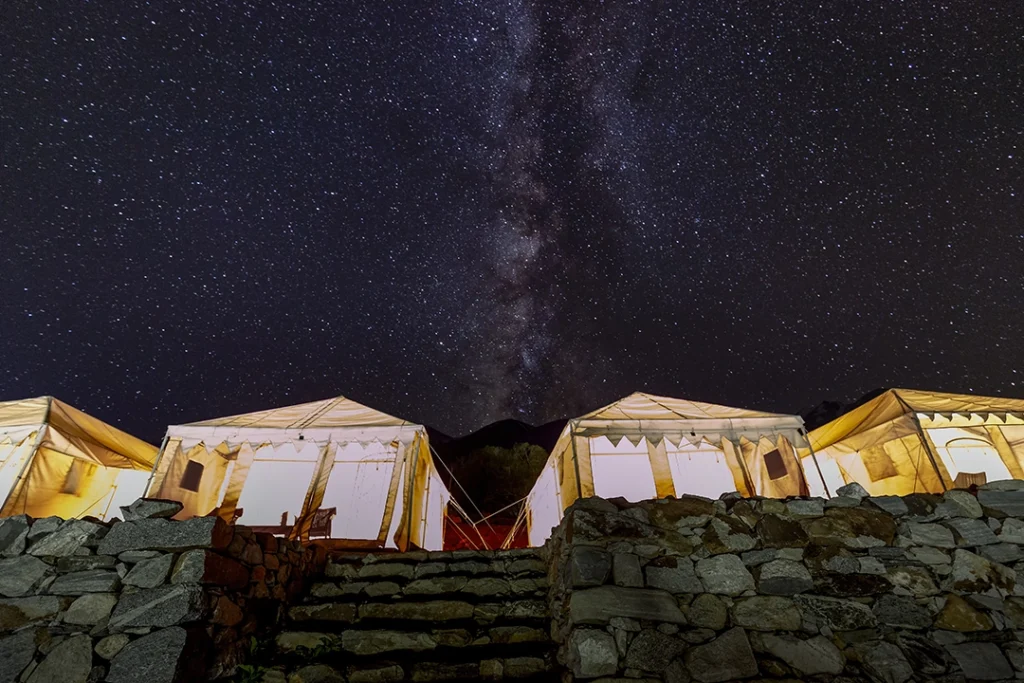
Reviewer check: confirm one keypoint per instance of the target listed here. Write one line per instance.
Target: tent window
(699, 472)
(73, 479)
(975, 461)
(192, 476)
(878, 463)
(775, 465)
(626, 475)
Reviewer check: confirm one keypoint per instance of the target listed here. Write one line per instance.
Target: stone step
(466, 587)
(457, 644)
(437, 555)
(533, 669)
(431, 654)
(423, 617)
(408, 570)
(404, 616)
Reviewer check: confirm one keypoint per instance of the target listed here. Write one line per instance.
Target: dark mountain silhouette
(501, 434)
(497, 464)
(826, 411)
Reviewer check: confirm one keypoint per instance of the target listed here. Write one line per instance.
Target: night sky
(458, 212)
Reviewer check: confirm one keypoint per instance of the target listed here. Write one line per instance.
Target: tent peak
(644, 406)
(338, 411)
(77, 433)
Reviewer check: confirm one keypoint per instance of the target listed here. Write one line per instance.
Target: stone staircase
(421, 617)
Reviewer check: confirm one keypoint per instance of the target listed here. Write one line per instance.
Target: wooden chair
(964, 480)
(322, 521)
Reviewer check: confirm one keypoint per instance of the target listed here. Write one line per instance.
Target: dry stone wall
(887, 589)
(145, 600)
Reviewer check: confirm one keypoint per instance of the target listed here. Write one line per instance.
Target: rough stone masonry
(889, 589)
(144, 600)
(885, 589)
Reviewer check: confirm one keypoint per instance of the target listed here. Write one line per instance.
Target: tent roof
(334, 419)
(657, 417)
(896, 403)
(83, 436)
(641, 406)
(331, 412)
(937, 402)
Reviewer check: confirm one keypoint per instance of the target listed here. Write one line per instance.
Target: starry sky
(459, 211)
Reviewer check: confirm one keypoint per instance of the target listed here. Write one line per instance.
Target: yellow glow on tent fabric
(376, 470)
(647, 446)
(56, 460)
(909, 441)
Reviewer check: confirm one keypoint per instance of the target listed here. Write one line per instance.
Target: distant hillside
(497, 464)
(826, 411)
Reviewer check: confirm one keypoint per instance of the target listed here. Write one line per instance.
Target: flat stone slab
(600, 605)
(592, 653)
(19, 575)
(766, 613)
(167, 535)
(16, 652)
(377, 642)
(17, 612)
(150, 573)
(1002, 503)
(836, 613)
(164, 656)
(784, 577)
(67, 539)
(589, 566)
(90, 609)
(91, 581)
(726, 658)
(885, 661)
(13, 535)
(69, 662)
(725, 575)
(679, 579)
(163, 606)
(981, 661)
(971, 532)
(335, 612)
(816, 655)
(150, 508)
(435, 610)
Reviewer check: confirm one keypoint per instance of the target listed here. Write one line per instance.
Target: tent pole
(925, 441)
(28, 459)
(575, 459)
(156, 463)
(408, 504)
(814, 459)
(32, 454)
(737, 448)
(110, 501)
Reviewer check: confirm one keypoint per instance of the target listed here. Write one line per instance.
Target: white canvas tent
(646, 446)
(56, 460)
(282, 465)
(907, 441)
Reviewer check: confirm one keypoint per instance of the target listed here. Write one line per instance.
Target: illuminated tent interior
(908, 441)
(57, 461)
(284, 470)
(645, 446)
